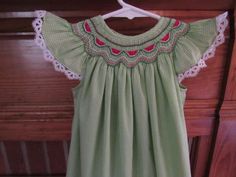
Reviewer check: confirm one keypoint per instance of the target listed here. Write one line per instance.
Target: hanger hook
(122, 3)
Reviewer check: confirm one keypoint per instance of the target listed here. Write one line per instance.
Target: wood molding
(37, 104)
(53, 122)
(223, 161)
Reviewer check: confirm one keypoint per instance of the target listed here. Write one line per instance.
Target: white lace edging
(221, 22)
(39, 40)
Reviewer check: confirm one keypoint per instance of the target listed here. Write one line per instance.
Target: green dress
(129, 105)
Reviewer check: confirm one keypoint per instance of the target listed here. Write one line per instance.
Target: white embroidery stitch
(221, 22)
(39, 40)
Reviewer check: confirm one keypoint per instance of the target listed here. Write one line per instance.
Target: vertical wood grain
(66, 150)
(202, 156)
(4, 162)
(56, 156)
(36, 157)
(15, 157)
(223, 163)
(46, 157)
(25, 157)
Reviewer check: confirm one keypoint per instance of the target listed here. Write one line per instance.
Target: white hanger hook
(130, 12)
(122, 3)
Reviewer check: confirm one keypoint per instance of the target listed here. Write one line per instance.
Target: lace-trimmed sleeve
(60, 45)
(198, 45)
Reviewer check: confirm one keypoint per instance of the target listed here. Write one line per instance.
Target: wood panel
(34, 157)
(224, 151)
(36, 102)
(26, 5)
(50, 157)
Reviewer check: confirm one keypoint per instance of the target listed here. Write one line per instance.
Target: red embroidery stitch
(115, 51)
(149, 48)
(132, 52)
(99, 42)
(176, 24)
(110, 56)
(166, 37)
(87, 27)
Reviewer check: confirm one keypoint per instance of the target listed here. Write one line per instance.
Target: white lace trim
(221, 22)
(39, 40)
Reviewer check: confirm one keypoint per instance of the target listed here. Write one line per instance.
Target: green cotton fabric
(128, 122)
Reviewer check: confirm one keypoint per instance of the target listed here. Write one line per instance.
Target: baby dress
(129, 105)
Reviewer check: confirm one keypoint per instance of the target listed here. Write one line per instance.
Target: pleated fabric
(129, 123)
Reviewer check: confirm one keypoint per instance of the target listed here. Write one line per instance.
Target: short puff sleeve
(60, 45)
(197, 45)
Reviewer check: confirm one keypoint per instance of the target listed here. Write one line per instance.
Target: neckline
(159, 28)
